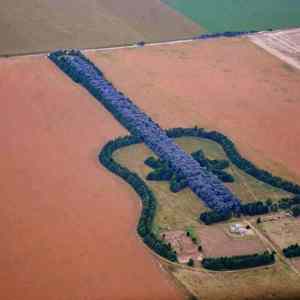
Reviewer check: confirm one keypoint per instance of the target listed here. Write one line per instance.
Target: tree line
(207, 187)
(239, 262)
(292, 251)
(147, 197)
(236, 158)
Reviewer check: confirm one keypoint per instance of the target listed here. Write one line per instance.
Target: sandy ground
(34, 25)
(67, 225)
(227, 84)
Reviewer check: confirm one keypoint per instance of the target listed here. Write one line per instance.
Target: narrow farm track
(119, 47)
(272, 247)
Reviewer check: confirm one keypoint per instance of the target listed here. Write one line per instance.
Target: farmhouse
(238, 229)
(186, 249)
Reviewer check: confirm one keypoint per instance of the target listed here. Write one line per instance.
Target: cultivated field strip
(285, 44)
(203, 183)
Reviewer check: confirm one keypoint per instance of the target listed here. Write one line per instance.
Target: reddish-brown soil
(67, 226)
(226, 84)
(217, 242)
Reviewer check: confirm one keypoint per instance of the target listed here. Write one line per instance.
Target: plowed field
(227, 84)
(68, 226)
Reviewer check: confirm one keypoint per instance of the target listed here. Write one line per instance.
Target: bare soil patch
(227, 84)
(68, 226)
(217, 241)
(31, 26)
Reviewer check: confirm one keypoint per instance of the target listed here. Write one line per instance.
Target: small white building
(238, 229)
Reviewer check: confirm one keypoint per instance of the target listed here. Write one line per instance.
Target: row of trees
(248, 167)
(254, 209)
(230, 34)
(204, 184)
(163, 171)
(211, 217)
(236, 158)
(239, 262)
(145, 194)
(296, 211)
(292, 251)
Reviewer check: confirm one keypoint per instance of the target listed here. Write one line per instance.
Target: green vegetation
(190, 232)
(163, 172)
(292, 251)
(239, 262)
(191, 262)
(180, 210)
(165, 210)
(296, 211)
(211, 217)
(146, 196)
(221, 15)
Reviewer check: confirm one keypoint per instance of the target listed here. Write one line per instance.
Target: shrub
(296, 211)
(292, 251)
(191, 262)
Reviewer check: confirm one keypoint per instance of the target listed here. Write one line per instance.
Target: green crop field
(216, 15)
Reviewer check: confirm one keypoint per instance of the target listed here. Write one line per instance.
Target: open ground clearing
(284, 44)
(68, 227)
(227, 84)
(32, 26)
(284, 231)
(221, 15)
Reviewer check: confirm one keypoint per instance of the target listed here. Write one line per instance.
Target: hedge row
(235, 157)
(228, 34)
(145, 194)
(163, 172)
(239, 262)
(292, 251)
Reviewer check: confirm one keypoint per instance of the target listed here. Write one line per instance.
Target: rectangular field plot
(218, 241)
(283, 44)
(283, 231)
(222, 15)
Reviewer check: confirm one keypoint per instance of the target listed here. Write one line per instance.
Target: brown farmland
(32, 25)
(217, 241)
(68, 226)
(227, 84)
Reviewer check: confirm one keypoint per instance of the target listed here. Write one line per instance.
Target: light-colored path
(284, 44)
(271, 246)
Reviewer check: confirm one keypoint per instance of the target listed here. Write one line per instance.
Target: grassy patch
(275, 282)
(179, 211)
